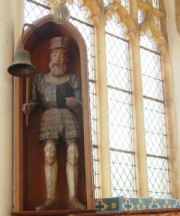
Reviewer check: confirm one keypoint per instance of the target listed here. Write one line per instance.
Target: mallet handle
(27, 98)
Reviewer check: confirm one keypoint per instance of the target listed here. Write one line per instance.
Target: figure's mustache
(57, 64)
(52, 64)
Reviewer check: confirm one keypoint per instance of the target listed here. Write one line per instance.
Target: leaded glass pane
(154, 119)
(152, 64)
(119, 111)
(116, 75)
(120, 120)
(92, 92)
(77, 11)
(106, 2)
(152, 87)
(158, 183)
(155, 136)
(157, 21)
(42, 2)
(33, 12)
(140, 16)
(115, 28)
(124, 3)
(95, 168)
(121, 48)
(87, 33)
(122, 174)
(155, 3)
(151, 70)
(147, 42)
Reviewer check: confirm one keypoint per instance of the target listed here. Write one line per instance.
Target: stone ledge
(131, 204)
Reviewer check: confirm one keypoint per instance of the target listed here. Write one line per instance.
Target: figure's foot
(48, 205)
(74, 203)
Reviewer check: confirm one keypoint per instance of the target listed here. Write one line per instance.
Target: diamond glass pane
(124, 3)
(120, 120)
(140, 16)
(154, 120)
(33, 11)
(77, 11)
(42, 2)
(93, 112)
(155, 135)
(95, 168)
(87, 33)
(115, 28)
(119, 110)
(117, 58)
(158, 173)
(106, 2)
(157, 21)
(122, 174)
(151, 74)
(155, 3)
(147, 42)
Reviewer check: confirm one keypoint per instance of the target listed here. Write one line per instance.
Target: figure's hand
(27, 108)
(71, 102)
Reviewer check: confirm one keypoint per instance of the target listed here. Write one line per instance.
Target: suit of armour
(57, 119)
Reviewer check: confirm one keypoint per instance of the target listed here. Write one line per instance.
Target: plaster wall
(6, 51)
(11, 19)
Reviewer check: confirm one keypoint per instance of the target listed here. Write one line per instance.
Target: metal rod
(27, 98)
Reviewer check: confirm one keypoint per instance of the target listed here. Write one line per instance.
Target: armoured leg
(72, 174)
(50, 175)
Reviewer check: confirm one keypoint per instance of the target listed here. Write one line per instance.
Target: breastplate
(53, 95)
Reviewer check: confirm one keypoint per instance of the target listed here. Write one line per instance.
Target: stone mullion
(137, 97)
(171, 95)
(172, 147)
(149, 2)
(104, 173)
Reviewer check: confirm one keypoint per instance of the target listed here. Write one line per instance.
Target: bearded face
(58, 61)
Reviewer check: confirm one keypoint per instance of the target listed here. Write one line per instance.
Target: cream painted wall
(11, 15)
(6, 54)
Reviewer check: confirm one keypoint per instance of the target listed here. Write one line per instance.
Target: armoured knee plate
(50, 153)
(72, 154)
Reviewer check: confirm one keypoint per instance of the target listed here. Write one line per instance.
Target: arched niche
(29, 166)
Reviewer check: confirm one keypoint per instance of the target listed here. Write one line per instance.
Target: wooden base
(53, 213)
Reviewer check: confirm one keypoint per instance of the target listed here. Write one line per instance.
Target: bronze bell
(21, 65)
